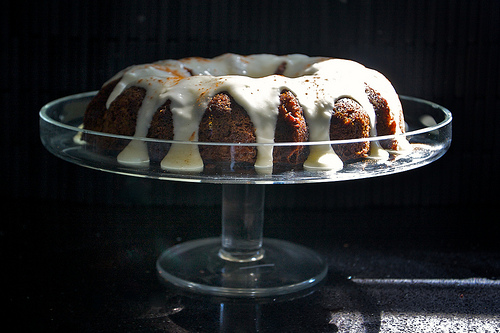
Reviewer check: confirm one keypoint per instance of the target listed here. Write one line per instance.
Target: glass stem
(242, 222)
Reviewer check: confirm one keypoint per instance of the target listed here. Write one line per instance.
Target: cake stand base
(200, 266)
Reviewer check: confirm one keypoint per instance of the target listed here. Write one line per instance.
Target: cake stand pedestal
(241, 263)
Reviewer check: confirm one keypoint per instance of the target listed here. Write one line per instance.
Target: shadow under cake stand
(241, 263)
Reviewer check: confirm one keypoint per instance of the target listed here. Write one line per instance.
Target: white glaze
(250, 80)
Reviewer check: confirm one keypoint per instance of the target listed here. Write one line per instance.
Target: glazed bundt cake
(264, 99)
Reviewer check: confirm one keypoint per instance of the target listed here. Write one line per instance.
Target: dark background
(444, 51)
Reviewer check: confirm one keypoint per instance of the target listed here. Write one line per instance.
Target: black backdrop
(78, 246)
(443, 51)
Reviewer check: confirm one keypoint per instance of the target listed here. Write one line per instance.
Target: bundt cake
(264, 99)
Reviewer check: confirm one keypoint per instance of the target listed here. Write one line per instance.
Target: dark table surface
(75, 267)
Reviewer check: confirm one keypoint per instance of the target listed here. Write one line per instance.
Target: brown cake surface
(350, 121)
(291, 126)
(226, 121)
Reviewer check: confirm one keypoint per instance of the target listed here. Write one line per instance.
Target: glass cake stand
(241, 263)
